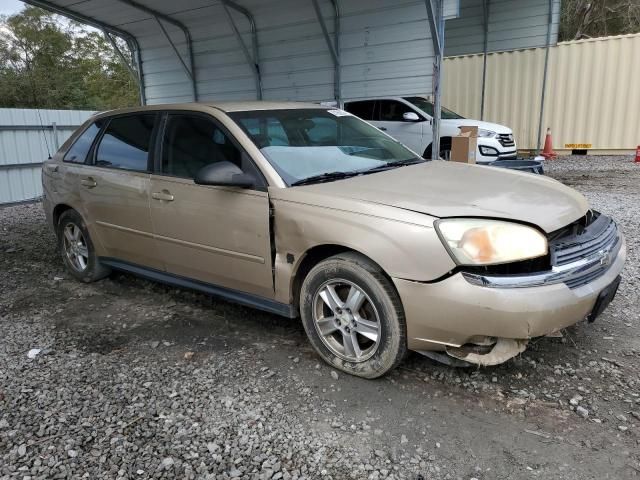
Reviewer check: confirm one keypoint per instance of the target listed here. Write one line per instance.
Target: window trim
(88, 156)
(152, 139)
(261, 182)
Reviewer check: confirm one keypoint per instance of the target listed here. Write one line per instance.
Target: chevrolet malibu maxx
(306, 211)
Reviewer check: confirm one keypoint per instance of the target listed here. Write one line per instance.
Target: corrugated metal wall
(512, 24)
(384, 45)
(24, 144)
(592, 98)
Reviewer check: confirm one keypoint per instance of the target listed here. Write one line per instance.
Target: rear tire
(77, 250)
(353, 316)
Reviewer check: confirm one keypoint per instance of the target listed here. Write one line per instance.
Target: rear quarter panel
(60, 187)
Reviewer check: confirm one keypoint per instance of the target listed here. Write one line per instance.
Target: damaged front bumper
(445, 316)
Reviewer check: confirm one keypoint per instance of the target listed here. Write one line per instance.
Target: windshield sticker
(339, 113)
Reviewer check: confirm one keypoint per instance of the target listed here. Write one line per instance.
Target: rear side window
(125, 143)
(363, 109)
(79, 150)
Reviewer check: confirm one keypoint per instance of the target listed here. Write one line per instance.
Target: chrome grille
(506, 139)
(599, 240)
(570, 252)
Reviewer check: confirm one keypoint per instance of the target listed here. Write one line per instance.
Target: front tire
(77, 250)
(445, 149)
(353, 316)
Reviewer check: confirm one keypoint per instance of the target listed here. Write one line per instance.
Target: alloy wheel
(75, 247)
(346, 320)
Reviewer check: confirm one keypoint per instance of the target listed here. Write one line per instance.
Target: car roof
(240, 106)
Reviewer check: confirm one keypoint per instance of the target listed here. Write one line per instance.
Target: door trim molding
(124, 229)
(220, 251)
(207, 248)
(235, 296)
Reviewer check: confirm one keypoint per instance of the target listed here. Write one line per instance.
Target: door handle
(163, 195)
(384, 129)
(88, 182)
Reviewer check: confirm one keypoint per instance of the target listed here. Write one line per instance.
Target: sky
(7, 7)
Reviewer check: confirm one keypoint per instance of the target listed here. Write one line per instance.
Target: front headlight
(486, 133)
(474, 241)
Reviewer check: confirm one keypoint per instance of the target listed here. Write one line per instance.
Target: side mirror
(223, 174)
(410, 117)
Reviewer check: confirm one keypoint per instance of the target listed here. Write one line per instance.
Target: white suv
(408, 120)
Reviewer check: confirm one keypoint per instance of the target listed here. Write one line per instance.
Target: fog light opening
(488, 151)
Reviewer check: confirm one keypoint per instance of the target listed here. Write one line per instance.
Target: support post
(337, 78)
(486, 4)
(435, 15)
(158, 16)
(544, 78)
(333, 49)
(174, 48)
(121, 56)
(54, 132)
(252, 60)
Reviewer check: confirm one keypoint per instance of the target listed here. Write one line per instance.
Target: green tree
(47, 61)
(598, 18)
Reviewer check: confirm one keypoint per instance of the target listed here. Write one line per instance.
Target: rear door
(218, 235)
(114, 189)
(389, 117)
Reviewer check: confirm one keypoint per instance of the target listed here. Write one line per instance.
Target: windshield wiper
(324, 177)
(397, 163)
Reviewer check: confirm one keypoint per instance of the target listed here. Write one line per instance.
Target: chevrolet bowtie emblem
(606, 258)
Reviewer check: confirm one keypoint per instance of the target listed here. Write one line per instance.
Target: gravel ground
(138, 380)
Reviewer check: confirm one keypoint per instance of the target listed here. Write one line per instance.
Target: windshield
(305, 143)
(427, 107)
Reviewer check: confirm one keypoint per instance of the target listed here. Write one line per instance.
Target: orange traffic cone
(547, 151)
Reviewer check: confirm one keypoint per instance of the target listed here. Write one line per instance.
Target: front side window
(125, 143)
(79, 150)
(427, 107)
(393, 111)
(319, 141)
(195, 141)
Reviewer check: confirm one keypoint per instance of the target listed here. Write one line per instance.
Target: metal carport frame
(334, 48)
(436, 29)
(435, 14)
(131, 40)
(253, 61)
(189, 70)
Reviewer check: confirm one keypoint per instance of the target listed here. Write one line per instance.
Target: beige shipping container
(592, 99)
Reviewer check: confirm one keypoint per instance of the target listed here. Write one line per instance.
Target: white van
(409, 120)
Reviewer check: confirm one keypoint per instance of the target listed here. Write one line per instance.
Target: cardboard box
(465, 145)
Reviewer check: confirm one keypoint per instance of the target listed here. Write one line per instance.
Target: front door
(389, 118)
(218, 235)
(114, 189)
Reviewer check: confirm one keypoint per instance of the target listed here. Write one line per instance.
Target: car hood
(449, 189)
(468, 122)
